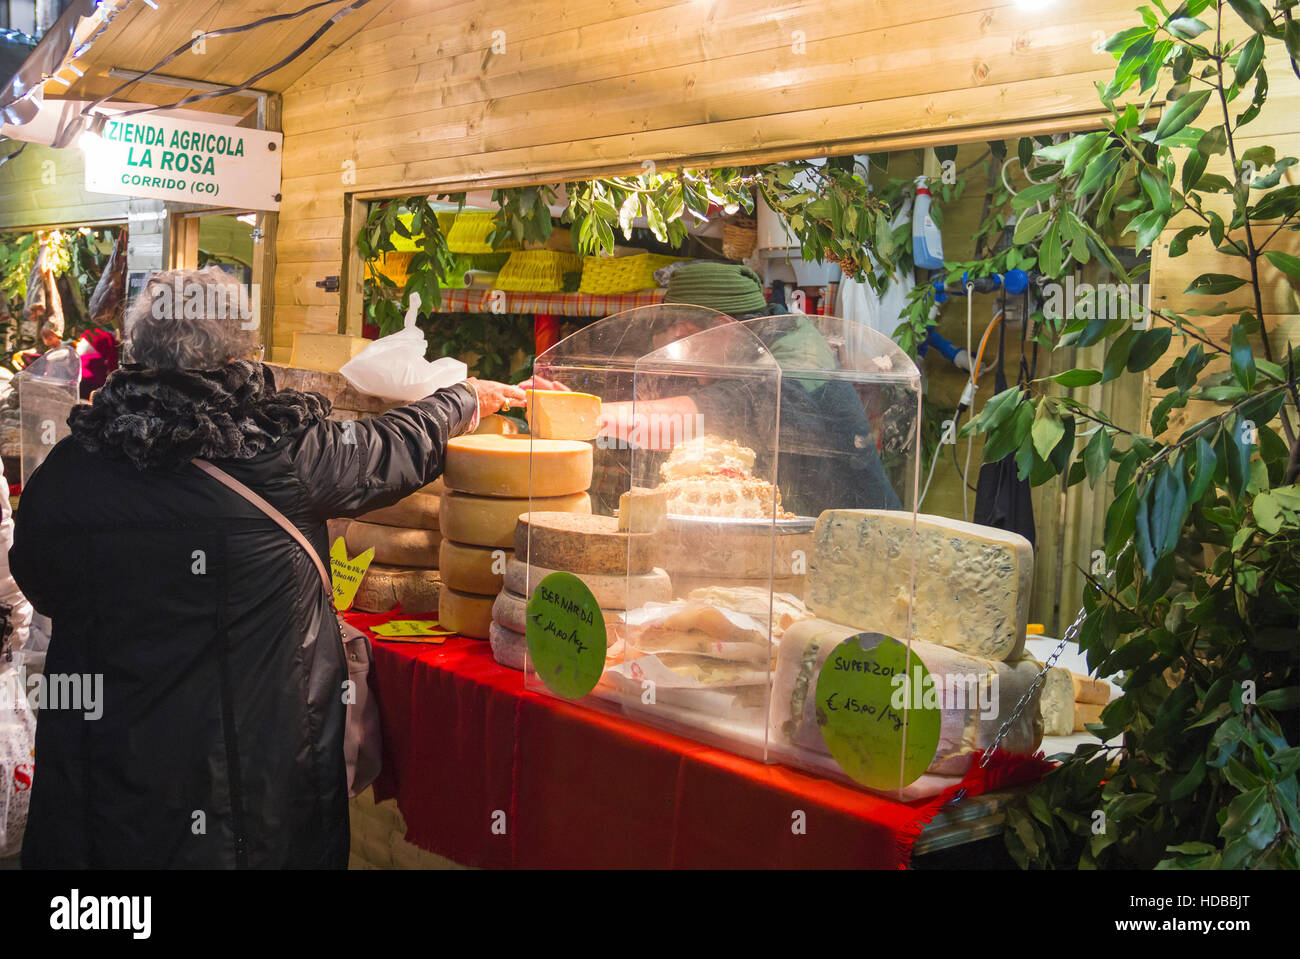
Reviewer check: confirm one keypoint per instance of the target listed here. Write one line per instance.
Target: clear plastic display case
(731, 459)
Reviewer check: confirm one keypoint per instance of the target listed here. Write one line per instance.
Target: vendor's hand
(494, 397)
(542, 383)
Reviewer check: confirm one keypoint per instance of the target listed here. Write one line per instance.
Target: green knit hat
(725, 287)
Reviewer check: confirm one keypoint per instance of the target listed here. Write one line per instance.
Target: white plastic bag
(17, 751)
(394, 366)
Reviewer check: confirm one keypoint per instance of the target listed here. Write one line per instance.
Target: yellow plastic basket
(470, 232)
(537, 271)
(395, 266)
(610, 275)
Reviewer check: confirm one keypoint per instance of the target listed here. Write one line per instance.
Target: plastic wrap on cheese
(977, 696)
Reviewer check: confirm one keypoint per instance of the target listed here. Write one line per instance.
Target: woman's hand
(494, 397)
(542, 383)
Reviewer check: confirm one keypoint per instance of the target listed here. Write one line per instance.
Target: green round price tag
(566, 635)
(861, 693)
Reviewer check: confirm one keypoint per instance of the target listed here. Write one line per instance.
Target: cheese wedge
(491, 520)
(562, 415)
(1085, 713)
(642, 510)
(324, 352)
(465, 613)
(1056, 703)
(473, 569)
(1089, 690)
(972, 582)
(491, 465)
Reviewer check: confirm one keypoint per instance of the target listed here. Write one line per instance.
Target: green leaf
(1047, 432)
(1253, 12)
(1033, 195)
(1282, 202)
(1117, 355)
(1242, 358)
(1178, 245)
(1251, 817)
(1119, 520)
(1193, 167)
(1183, 111)
(1049, 250)
(1248, 61)
(1214, 142)
(1096, 456)
(1288, 264)
(1213, 284)
(1186, 28)
(1281, 699)
(1028, 227)
(1076, 378)
(1149, 347)
(1147, 226)
(1206, 460)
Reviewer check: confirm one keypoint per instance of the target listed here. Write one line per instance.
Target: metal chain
(1033, 689)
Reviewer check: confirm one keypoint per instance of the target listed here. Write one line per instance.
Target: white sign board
(184, 162)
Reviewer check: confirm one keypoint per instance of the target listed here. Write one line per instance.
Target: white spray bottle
(927, 243)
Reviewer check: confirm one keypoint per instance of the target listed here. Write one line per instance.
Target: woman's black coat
(217, 741)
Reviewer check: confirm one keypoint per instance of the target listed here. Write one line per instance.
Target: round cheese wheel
(471, 569)
(384, 587)
(582, 544)
(511, 611)
(509, 648)
(394, 546)
(465, 613)
(490, 465)
(417, 511)
(490, 520)
(611, 591)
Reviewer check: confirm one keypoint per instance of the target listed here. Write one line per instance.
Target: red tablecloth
(490, 774)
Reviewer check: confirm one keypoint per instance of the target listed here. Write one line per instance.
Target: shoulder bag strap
(221, 476)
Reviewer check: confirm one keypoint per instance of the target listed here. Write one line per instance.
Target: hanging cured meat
(42, 304)
(109, 299)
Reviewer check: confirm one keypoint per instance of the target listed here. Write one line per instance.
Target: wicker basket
(537, 271)
(470, 232)
(739, 237)
(610, 275)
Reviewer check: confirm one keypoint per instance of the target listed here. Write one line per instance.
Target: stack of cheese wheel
(490, 481)
(405, 537)
(616, 565)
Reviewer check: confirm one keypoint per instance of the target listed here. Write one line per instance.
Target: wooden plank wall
(44, 187)
(1278, 125)
(445, 91)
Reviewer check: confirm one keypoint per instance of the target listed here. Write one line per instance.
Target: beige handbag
(362, 743)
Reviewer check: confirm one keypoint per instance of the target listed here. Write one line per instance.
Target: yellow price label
(346, 574)
(410, 627)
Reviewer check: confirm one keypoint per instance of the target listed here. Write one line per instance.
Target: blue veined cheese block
(972, 582)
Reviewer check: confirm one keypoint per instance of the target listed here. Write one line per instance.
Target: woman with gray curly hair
(196, 625)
